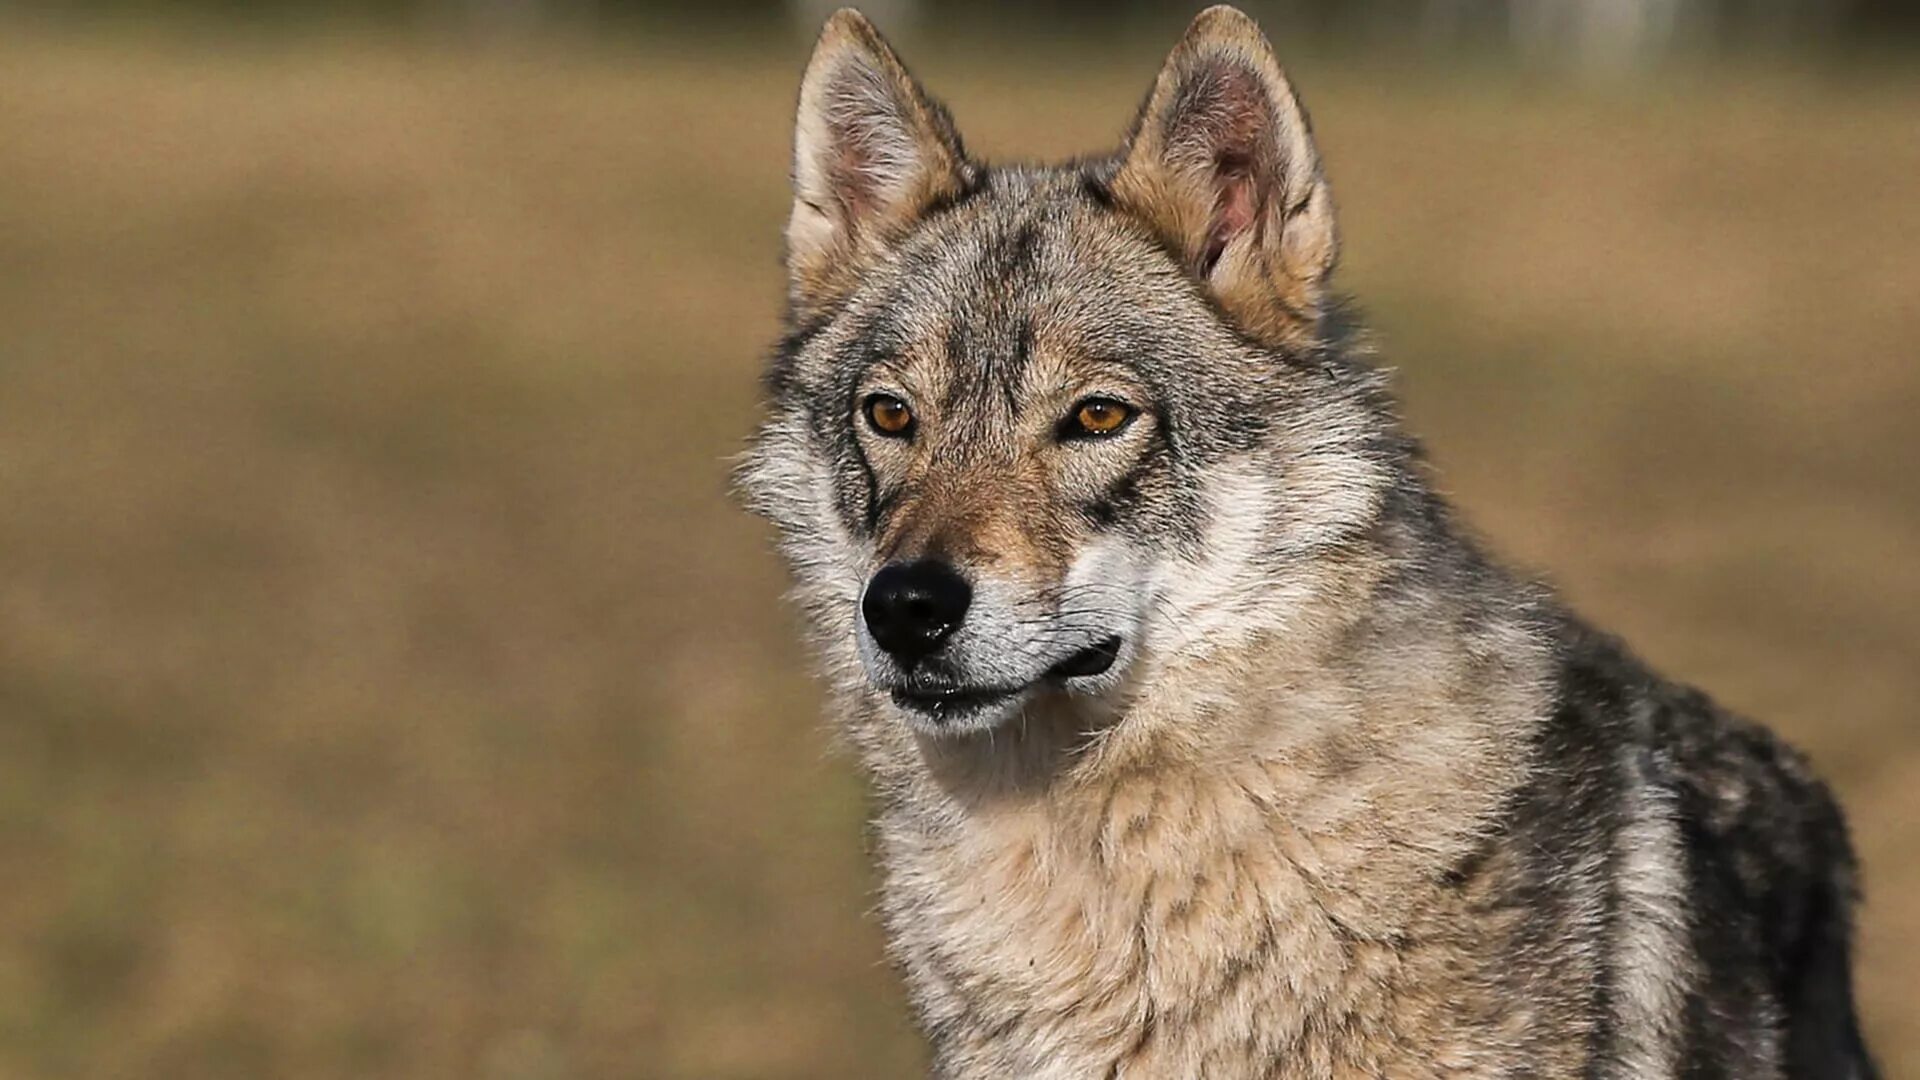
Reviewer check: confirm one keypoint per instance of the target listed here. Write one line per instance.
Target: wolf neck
(1368, 763)
(1280, 800)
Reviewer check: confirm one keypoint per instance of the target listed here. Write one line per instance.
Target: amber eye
(888, 415)
(1095, 417)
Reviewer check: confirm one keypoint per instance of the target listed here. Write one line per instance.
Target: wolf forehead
(1029, 273)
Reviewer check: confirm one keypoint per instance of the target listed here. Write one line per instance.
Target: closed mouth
(946, 702)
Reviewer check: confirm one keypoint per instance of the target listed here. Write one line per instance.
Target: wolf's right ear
(871, 152)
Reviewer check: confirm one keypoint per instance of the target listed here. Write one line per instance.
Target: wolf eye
(888, 415)
(1095, 417)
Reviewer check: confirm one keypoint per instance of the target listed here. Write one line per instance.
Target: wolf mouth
(1093, 660)
(945, 702)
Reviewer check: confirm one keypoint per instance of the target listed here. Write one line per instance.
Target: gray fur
(1352, 800)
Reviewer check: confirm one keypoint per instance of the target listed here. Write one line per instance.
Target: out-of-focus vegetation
(387, 688)
(1607, 36)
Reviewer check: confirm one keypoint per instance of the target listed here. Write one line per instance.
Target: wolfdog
(1205, 742)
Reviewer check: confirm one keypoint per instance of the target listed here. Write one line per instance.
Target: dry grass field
(388, 689)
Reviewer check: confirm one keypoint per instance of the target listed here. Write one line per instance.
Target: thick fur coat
(1205, 743)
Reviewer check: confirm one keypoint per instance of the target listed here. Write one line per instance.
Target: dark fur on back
(1769, 876)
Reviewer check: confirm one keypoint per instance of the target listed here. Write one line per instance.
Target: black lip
(945, 702)
(942, 702)
(1092, 660)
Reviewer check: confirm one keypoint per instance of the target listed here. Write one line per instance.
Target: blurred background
(389, 689)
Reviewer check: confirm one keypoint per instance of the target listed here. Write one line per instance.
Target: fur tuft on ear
(871, 152)
(1221, 163)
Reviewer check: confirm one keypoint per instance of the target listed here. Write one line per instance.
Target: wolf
(1205, 742)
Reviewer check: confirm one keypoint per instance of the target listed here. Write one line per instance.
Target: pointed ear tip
(848, 22)
(1223, 20)
(846, 33)
(1225, 27)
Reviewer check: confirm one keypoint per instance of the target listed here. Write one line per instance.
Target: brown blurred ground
(387, 688)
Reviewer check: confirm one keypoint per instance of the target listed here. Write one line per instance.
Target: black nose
(912, 607)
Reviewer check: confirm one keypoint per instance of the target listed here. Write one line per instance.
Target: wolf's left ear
(1221, 162)
(872, 151)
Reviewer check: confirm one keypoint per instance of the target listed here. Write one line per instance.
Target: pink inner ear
(1228, 119)
(850, 148)
(860, 113)
(852, 182)
(1235, 209)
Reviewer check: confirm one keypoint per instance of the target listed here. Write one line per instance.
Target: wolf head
(1037, 435)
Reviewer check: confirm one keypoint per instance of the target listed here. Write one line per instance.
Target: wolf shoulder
(1730, 879)
(1737, 788)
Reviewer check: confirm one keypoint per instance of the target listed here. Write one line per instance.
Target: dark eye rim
(1071, 430)
(866, 412)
